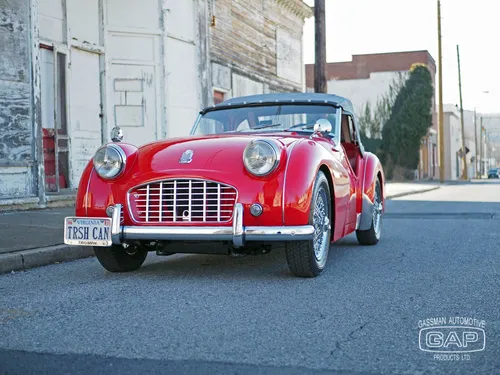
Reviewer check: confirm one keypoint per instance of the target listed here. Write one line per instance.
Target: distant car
(259, 171)
(494, 173)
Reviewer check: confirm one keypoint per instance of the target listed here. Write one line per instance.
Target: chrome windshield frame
(336, 127)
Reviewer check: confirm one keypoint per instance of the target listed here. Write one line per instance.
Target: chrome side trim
(284, 182)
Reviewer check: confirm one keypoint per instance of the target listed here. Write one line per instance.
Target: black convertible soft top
(285, 98)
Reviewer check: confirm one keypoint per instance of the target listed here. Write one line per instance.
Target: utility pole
(464, 155)
(475, 144)
(320, 47)
(440, 98)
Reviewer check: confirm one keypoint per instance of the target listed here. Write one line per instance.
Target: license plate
(87, 231)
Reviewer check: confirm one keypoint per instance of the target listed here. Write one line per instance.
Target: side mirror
(116, 134)
(322, 126)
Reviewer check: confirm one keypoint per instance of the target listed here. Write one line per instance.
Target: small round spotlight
(256, 209)
(109, 211)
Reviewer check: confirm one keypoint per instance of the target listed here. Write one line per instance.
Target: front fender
(304, 161)
(372, 170)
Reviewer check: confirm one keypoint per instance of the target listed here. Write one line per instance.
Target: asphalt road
(439, 257)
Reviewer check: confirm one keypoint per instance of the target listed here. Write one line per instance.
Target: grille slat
(183, 200)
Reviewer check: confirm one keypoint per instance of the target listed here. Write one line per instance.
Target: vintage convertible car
(257, 173)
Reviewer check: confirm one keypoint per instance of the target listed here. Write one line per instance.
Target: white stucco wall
(361, 91)
(453, 141)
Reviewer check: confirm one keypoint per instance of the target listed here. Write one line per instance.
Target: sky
(377, 26)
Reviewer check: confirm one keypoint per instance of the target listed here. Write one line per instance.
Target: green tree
(365, 119)
(409, 121)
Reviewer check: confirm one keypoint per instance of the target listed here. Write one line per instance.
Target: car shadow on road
(271, 265)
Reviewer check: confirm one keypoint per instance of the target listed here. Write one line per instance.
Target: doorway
(54, 116)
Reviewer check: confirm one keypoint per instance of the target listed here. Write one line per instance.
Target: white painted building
(368, 77)
(76, 69)
(452, 143)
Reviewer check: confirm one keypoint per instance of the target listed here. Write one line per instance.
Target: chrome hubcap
(321, 223)
(377, 210)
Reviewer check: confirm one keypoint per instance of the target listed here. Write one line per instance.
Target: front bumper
(238, 234)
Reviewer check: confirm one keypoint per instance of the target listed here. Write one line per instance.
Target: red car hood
(222, 153)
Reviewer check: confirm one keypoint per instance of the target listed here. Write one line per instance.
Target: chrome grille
(182, 200)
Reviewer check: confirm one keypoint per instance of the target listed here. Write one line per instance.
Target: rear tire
(308, 258)
(118, 259)
(372, 236)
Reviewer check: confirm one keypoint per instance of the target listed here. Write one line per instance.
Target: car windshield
(287, 117)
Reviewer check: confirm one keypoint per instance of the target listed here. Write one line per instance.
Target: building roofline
(299, 7)
(397, 52)
(381, 54)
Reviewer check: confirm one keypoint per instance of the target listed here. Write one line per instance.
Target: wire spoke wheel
(321, 223)
(308, 258)
(377, 210)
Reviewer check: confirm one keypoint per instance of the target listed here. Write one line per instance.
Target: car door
(350, 162)
(344, 181)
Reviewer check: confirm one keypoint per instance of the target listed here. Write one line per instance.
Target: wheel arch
(372, 172)
(305, 160)
(328, 174)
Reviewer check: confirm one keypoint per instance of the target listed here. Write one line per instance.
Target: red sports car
(284, 171)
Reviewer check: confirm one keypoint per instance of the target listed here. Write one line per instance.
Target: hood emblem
(187, 157)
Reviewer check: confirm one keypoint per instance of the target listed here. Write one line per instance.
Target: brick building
(367, 77)
(70, 71)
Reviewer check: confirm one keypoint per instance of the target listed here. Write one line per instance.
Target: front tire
(118, 259)
(308, 258)
(372, 236)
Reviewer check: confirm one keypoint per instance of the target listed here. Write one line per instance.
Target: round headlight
(261, 157)
(109, 161)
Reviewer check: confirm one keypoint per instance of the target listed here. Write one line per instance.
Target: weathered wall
(259, 40)
(15, 100)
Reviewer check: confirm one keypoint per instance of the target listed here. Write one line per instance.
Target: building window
(219, 96)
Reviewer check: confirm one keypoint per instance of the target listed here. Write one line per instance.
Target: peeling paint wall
(261, 43)
(16, 159)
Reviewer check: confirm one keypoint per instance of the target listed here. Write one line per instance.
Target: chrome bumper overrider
(238, 233)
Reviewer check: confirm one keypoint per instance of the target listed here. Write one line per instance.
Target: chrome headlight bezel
(276, 152)
(116, 171)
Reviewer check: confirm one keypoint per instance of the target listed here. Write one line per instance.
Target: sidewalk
(399, 189)
(35, 238)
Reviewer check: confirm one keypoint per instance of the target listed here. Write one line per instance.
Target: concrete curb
(26, 259)
(411, 192)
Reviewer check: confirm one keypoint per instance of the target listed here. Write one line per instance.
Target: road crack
(350, 337)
